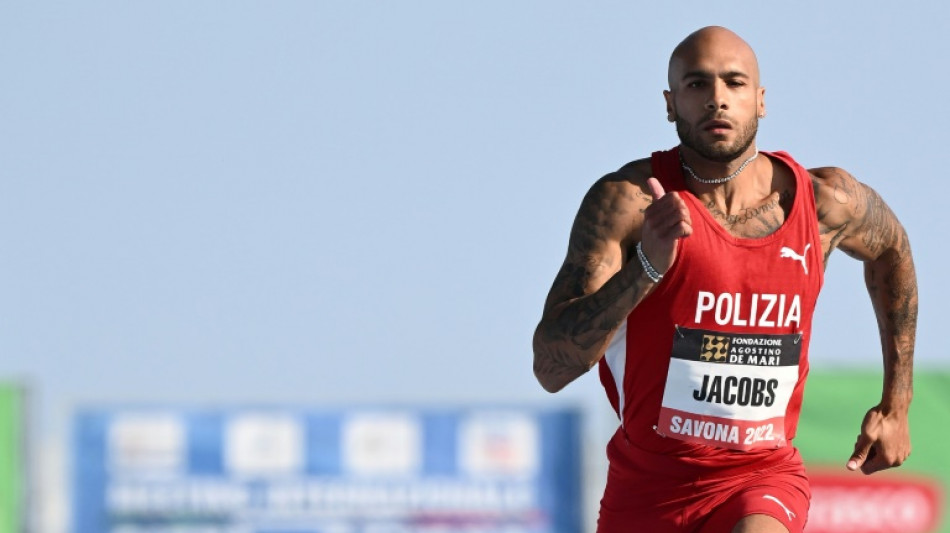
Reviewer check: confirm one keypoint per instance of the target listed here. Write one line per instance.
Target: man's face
(715, 98)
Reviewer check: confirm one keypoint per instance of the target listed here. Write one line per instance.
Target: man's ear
(670, 110)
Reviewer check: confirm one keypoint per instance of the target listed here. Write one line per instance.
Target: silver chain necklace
(717, 181)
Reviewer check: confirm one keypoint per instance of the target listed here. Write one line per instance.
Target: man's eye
(695, 84)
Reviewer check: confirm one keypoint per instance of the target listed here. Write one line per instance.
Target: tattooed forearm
(574, 337)
(574, 277)
(892, 285)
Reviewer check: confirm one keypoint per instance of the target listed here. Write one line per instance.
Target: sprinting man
(691, 278)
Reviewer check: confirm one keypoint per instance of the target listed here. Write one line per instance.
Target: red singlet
(708, 371)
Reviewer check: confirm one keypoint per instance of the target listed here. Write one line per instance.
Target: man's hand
(884, 442)
(665, 221)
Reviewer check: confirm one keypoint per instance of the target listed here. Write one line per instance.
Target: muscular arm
(853, 217)
(596, 286)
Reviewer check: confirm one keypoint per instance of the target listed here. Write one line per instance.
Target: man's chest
(757, 220)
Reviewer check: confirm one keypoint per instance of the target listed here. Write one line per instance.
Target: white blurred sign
(382, 444)
(886, 503)
(264, 445)
(499, 443)
(147, 443)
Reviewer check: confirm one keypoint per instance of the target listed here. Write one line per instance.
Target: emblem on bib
(729, 390)
(715, 348)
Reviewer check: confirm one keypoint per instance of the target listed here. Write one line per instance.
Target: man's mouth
(717, 126)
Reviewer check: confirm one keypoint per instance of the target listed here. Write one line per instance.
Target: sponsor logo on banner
(264, 444)
(883, 503)
(382, 444)
(147, 443)
(499, 444)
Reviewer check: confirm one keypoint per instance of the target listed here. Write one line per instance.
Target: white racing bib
(729, 390)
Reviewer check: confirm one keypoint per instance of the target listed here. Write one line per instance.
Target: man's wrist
(895, 406)
(648, 267)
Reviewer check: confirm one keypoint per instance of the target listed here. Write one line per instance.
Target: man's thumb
(656, 189)
(861, 449)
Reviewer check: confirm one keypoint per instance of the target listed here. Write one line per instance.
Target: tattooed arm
(853, 217)
(598, 284)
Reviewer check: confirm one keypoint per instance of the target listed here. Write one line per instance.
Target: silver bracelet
(651, 272)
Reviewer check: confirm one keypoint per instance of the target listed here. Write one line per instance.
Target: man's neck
(751, 184)
(705, 171)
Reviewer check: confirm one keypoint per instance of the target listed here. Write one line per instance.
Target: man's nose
(717, 98)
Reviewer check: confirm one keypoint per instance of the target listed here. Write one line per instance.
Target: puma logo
(789, 253)
(790, 514)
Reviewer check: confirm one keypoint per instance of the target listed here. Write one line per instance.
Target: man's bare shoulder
(635, 173)
(836, 194)
(833, 183)
(863, 225)
(616, 202)
(625, 185)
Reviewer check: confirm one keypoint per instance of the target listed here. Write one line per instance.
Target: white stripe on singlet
(616, 356)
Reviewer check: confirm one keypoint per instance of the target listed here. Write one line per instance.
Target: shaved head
(711, 39)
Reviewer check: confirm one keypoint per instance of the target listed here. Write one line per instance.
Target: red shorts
(645, 496)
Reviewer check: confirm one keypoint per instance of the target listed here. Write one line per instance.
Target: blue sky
(338, 202)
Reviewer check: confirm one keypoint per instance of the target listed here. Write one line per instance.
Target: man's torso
(744, 285)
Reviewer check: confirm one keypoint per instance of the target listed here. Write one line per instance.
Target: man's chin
(719, 152)
(719, 147)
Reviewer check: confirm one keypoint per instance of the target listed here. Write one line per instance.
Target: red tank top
(711, 366)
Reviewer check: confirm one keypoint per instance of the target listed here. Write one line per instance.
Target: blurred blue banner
(477, 470)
